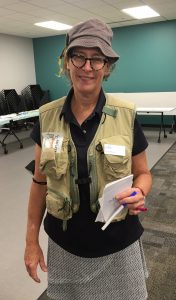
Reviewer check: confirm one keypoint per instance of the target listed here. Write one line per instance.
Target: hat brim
(92, 42)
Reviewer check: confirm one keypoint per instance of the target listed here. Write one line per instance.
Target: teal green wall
(46, 53)
(147, 60)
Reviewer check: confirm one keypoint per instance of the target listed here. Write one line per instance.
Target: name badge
(114, 149)
(52, 140)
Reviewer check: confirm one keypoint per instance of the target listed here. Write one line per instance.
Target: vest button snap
(99, 148)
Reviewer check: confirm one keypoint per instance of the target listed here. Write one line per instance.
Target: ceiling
(18, 16)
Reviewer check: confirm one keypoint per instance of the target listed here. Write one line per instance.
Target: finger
(142, 208)
(35, 277)
(138, 210)
(123, 195)
(130, 200)
(43, 265)
(134, 212)
(32, 270)
(135, 205)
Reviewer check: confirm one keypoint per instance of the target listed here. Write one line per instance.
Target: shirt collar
(66, 110)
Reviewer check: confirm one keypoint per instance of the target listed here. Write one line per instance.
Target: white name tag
(114, 149)
(52, 140)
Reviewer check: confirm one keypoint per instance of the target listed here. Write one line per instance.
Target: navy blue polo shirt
(84, 236)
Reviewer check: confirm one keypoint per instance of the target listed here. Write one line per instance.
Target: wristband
(39, 182)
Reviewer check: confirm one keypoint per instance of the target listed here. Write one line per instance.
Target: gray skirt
(119, 276)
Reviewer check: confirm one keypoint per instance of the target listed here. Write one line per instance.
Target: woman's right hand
(32, 257)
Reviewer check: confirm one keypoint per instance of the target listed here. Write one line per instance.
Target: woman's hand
(32, 257)
(134, 203)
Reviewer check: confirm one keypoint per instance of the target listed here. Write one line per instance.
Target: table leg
(162, 127)
(173, 126)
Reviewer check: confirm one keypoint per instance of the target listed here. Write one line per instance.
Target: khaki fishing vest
(60, 167)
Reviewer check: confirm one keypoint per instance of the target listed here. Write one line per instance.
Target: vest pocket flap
(115, 149)
(114, 159)
(47, 161)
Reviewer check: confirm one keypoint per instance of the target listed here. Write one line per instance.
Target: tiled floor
(159, 238)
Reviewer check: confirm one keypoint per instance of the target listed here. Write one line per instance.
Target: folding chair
(10, 103)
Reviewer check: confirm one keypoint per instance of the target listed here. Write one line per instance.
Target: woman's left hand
(135, 203)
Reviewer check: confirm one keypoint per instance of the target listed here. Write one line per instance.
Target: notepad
(108, 204)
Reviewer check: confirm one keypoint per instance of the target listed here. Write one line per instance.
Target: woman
(71, 170)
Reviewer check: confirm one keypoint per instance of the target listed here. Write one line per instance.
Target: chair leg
(12, 132)
(4, 147)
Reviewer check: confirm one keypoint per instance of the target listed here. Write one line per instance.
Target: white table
(26, 115)
(5, 119)
(8, 119)
(157, 110)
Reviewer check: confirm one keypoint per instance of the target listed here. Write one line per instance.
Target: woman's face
(86, 79)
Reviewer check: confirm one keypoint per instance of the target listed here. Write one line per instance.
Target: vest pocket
(54, 164)
(48, 162)
(58, 205)
(116, 165)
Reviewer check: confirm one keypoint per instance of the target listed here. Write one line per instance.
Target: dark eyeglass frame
(91, 59)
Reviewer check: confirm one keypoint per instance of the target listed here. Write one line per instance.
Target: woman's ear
(67, 65)
(68, 62)
(107, 70)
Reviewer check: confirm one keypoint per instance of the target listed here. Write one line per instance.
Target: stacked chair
(2, 109)
(3, 112)
(34, 96)
(10, 103)
(31, 98)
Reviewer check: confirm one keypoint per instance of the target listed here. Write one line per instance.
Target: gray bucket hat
(89, 34)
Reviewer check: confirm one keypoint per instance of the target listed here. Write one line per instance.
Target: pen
(119, 210)
(113, 216)
(133, 193)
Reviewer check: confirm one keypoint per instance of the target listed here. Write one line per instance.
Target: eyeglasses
(97, 62)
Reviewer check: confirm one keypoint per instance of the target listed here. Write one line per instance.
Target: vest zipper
(74, 191)
(94, 183)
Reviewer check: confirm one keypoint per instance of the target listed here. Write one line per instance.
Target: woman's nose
(87, 66)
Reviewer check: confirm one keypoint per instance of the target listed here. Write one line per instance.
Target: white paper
(52, 140)
(108, 203)
(114, 149)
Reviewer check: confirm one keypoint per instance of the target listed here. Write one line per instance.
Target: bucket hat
(89, 34)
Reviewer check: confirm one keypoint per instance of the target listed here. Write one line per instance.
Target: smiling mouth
(86, 77)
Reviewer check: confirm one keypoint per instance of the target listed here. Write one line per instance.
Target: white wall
(17, 69)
